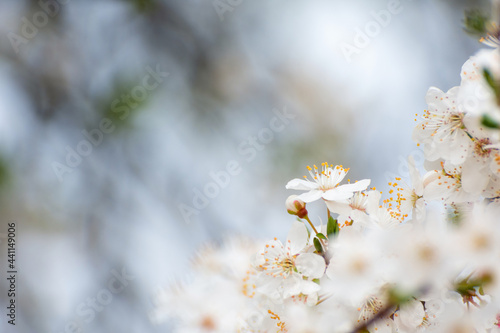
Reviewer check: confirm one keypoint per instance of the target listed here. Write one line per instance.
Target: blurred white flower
(476, 95)
(288, 270)
(355, 268)
(409, 198)
(411, 317)
(442, 132)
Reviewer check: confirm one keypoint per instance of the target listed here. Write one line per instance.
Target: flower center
(456, 121)
(425, 322)
(358, 202)
(287, 265)
(479, 149)
(370, 308)
(329, 176)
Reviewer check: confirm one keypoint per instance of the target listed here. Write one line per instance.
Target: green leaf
(494, 84)
(332, 228)
(317, 245)
(489, 78)
(398, 297)
(487, 121)
(475, 22)
(320, 235)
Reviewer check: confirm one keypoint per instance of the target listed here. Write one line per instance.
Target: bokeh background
(232, 66)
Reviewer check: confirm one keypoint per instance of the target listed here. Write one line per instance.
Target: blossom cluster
(381, 262)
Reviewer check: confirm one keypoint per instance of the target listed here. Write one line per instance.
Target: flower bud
(296, 206)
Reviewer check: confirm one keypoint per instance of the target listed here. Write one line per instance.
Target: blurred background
(133, 131)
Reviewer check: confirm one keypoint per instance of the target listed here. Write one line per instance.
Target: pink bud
(296, 206)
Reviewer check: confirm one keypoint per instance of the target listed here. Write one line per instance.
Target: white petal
(412, 313)
(419, 211)
(330, 271)
(360, 217)
(310, 196)
(292, 285)
(312, 299)
(311, 265)
(297, 238)
(268, 285)
(338, 174)
(373, 201)
(474, 177)
(336, 195)
(434, 191)
(301, 184)
(416, 179)
(339, 207)
(433, 95)
(355, 187)
(309, 287)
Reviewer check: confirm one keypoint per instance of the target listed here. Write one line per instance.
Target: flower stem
(310, 223)
(315, 231)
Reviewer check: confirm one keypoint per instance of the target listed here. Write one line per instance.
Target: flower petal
(301, 184)
(416, 179)
(297, 238)
(338, 174)
(292, 285)
(474, 176)
(309, 287)
(411, 313)
(337, 207)
(336, 195)
(311, 265)
(310, 196)
(355, 187)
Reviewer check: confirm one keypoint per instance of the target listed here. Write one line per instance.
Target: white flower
(355, 267)
(411, 317)
(287, 271)
(443, 132)
(446, 184)
(419, 257)
(481, 164)
(477, 239)
(476, 95)
(325, 184)
(382, 216)
(305, 319)
(352, 209)
(214, 300)
(409, 198)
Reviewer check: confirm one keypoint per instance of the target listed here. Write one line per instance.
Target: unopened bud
(296, 206)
